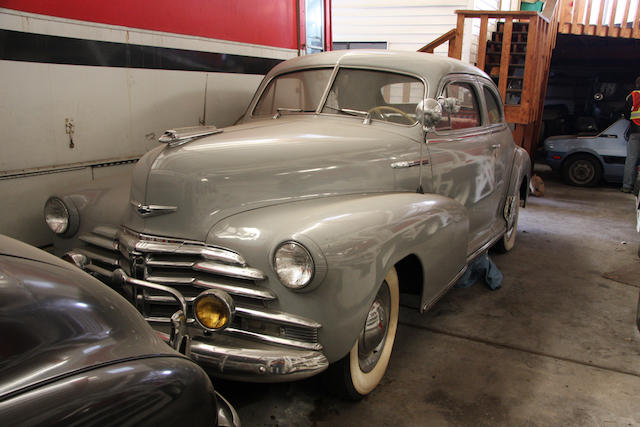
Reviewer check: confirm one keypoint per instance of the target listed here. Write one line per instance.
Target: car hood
(262, 163)
(56, 319)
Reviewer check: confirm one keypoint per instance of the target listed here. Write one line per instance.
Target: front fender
(583, 150)
(357, 239)
(103, 201)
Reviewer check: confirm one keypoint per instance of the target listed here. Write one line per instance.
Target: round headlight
(294, 265)
(56, 215)
(213, 309)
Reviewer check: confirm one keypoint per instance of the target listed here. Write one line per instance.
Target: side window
(494, 106)
(469, 114)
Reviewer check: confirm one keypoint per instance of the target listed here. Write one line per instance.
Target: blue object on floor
(481, 268)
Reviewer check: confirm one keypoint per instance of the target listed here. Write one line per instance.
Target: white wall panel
(228, 96)
(117, 112)
(403, 24)
(406, 24)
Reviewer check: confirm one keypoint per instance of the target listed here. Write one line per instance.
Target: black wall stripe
(30, 47)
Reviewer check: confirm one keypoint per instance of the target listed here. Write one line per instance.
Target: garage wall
(405, 24)
(117, 110)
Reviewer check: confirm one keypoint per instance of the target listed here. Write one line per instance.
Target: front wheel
(359, 372)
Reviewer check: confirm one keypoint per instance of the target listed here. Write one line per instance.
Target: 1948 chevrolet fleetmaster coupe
(352, 177)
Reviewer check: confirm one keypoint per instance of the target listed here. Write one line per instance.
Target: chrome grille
(192, 267)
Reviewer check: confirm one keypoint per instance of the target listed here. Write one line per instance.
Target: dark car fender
(154, 391)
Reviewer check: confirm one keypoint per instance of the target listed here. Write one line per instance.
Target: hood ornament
(146, 211)
(179, 136)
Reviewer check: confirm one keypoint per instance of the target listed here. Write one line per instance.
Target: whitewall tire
(360, 371)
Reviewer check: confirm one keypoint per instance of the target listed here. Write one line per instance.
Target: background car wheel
(508, 240)
(359, 372)
(582, 170)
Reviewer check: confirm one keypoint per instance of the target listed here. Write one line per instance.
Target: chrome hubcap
(374, 334)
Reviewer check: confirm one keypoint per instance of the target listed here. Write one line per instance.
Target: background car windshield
(385, 96)
(299, 91)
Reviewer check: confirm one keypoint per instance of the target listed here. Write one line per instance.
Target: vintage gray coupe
(353, 177)
(585, 160)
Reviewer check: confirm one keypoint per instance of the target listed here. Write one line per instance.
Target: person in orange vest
(632, 112)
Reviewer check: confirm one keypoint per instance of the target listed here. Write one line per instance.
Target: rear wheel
(359, 372)
(582, 170)
(508, 240)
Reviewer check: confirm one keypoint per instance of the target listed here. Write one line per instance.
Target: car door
(462, 158)
(501, 145)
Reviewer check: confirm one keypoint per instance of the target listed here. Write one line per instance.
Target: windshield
(379, 95)
(299, 91)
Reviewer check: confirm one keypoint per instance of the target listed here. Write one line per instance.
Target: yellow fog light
(213, 310)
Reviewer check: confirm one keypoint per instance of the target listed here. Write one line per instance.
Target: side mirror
(431, 110)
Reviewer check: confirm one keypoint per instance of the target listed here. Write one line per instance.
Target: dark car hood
(56, 319)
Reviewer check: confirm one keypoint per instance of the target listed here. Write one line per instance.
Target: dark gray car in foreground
(74, 352)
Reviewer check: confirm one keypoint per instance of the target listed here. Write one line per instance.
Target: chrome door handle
(495, 146)
(409, 164)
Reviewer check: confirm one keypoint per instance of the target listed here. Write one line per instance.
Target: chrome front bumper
(232, 357)
(239, 359)
(242, 360)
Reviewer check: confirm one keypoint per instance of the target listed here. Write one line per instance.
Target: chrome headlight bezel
(298, 257)
(69, 216)
(222, 299)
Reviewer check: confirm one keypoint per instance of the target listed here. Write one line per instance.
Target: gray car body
(609, 147)
(328, 182)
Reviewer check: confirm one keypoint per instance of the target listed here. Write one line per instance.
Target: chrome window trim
(263, 86)
(384, 70)
(463, 78)
(336, 67)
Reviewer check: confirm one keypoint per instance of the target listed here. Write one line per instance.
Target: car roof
(431, 67)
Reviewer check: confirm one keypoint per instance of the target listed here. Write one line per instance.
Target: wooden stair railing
(446, 37)
(576, 17)
(517, 57)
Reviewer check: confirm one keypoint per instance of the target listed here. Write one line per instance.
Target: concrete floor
(557, 345)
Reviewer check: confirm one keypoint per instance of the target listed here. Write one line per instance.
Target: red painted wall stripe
(262, 22)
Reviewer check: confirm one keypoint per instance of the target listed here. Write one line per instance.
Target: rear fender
(354, 241)
(520, 174)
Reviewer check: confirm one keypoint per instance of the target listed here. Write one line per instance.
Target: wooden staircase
(517, 56)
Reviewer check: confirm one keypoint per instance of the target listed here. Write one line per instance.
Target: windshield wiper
(291, 110)
(348, 111)
(357, 113)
